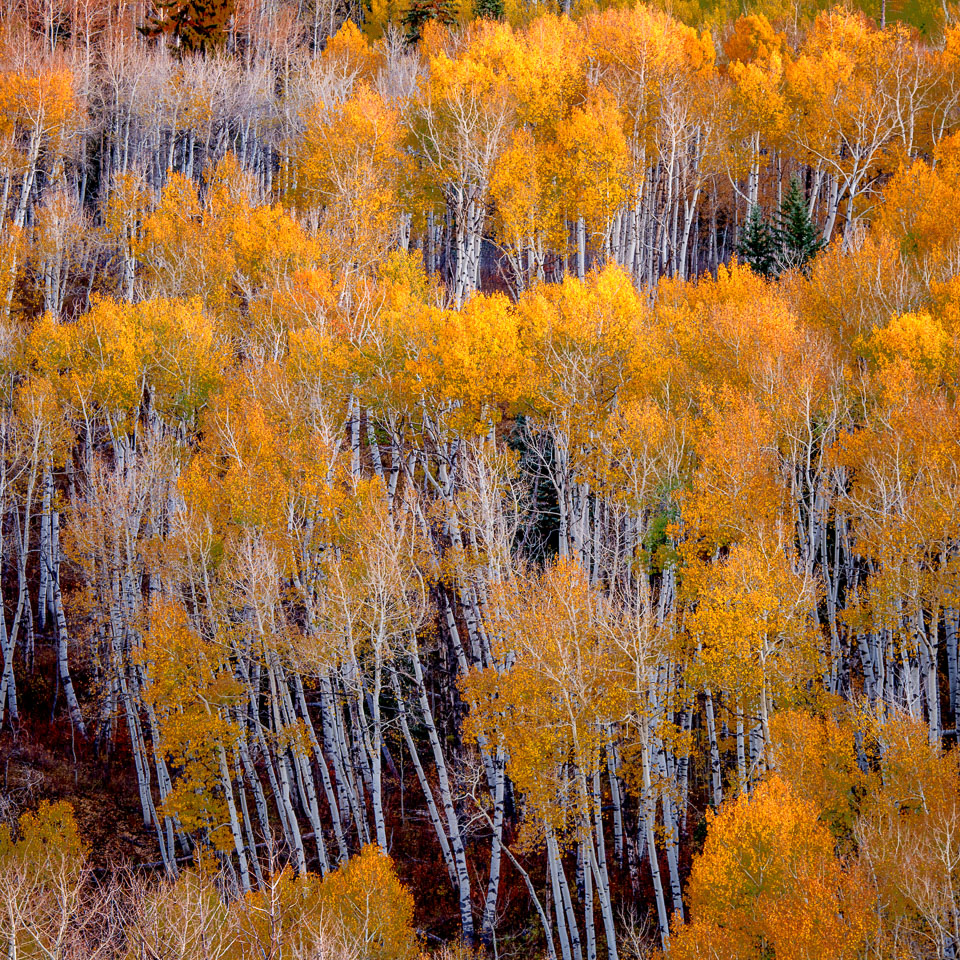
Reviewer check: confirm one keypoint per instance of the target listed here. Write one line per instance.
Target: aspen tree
(766, 854)
(461, 126)
(756, 54)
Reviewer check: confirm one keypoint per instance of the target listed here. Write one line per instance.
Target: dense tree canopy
(479, 479)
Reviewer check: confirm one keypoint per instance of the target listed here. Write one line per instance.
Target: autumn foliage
(479, 479)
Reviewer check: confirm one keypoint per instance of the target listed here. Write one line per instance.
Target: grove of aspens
(479, 480)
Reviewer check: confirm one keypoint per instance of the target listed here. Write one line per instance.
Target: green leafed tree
(756, 246)
(488, 9)
(795, 236)
(420, 11)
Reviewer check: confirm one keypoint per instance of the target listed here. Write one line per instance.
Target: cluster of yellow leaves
(189, 688)
(352, 166)
(362, 907)
(226, 249)
(768, 883)
(908, 832)
(560, 681)
(118, 356)
(750, 623)
(850, 846)
(42, 103)
(43, 865)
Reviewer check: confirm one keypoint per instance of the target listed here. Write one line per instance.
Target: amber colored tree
(767, 858)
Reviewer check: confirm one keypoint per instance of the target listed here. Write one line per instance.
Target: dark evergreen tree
(488, 9)
(795, 236)
(756, 246)
(192, 26)
(421, 11)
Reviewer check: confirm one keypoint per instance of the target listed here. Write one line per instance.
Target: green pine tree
(192, 26)
(796, 237)
(488, 9)
(420, 11)
(756, 246)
